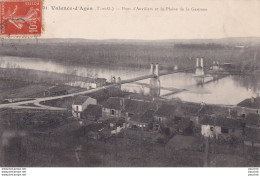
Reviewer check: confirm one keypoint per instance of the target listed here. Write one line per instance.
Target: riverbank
(132, 54)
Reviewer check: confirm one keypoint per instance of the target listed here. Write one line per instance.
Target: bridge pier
(199, 67)
(155, 71)
(155, 87)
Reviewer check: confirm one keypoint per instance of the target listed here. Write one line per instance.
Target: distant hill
(138, 53)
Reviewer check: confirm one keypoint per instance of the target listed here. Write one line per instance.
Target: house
(165, 113)
(253, 120)
(80, 103)
(113, 107)
(55, 91)
(97, 82)
(212, 126)
(137, 108)
(252, 137)
(89, 83)
(145, 121)
(93, 112)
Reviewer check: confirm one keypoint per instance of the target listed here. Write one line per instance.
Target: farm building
(165, 113)
(216, 126)
(113, 107)
(139, 112)
(143, 121)
(80, 103)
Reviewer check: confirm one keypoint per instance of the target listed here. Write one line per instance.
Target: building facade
(80, 103)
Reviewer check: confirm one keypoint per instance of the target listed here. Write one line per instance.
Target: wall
(163, 120)
(205, 131)
(106, 113)
(79, 108)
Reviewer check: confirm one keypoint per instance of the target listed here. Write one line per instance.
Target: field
(136, 54)
(18, 88)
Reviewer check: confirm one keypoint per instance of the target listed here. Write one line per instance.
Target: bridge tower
(157, 70)
(199, 67)
(152, 69)
(155, 81)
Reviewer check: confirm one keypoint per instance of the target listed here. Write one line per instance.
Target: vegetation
(137, 54)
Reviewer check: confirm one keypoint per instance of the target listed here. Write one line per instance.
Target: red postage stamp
(21, 17)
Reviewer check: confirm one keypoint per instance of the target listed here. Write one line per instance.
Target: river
(228, 90)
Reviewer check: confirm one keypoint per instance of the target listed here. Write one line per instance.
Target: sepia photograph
(129, 84)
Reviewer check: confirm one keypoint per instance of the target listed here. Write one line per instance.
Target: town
(63, 119)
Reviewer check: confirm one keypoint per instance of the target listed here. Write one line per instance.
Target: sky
(222, 18)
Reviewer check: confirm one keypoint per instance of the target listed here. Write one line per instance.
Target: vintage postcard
(129, 83)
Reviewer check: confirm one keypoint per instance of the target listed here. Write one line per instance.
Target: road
(38, 100)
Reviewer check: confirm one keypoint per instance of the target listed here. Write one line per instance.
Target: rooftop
(211, 109)
(145, 118)
(113, 103)
(250, 103)
(139, 106)
(93, 110)
(166, 110)
(79, 100)
(222, 122)
(253, 119)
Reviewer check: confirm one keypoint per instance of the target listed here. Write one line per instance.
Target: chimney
(152, 69)
(197, 63)
(201, 62)
(157, 70)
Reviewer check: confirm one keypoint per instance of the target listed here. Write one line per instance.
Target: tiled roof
(113, 103)
(93, 110)
(210, 110)
(79, 100)
(253, 119)
(222, 122)
(249, 103)
(145, 118)
(166, 111)
(190, 109)
(138, 106)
